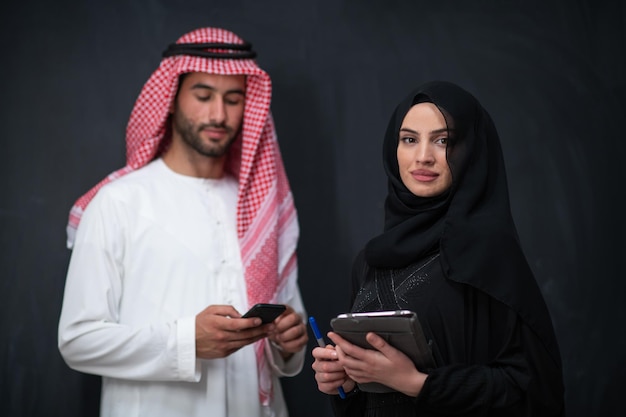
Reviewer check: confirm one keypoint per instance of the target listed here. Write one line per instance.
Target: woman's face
(422, 143)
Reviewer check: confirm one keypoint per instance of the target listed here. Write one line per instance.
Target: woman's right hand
(329, 374)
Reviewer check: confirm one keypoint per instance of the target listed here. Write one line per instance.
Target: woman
(450, 252)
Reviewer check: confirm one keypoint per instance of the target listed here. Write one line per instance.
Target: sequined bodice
(392, 289)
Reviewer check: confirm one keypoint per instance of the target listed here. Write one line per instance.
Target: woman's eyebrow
(436, 131)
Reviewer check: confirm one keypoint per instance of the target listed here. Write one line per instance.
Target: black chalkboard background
(551, 73)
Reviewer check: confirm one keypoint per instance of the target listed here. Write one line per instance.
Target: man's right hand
(220, 331)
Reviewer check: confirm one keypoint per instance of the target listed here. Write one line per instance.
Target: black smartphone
(267, 312)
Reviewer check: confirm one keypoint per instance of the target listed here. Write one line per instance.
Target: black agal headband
(212, 50)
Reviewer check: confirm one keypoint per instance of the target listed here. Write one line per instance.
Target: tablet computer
(400, 328)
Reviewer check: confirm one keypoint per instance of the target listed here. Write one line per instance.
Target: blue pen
(322, 344)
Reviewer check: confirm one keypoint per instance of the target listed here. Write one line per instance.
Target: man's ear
(172, 108)
(179, 83)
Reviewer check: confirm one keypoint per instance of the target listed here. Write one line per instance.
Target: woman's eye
(442, 141)
(407, 139)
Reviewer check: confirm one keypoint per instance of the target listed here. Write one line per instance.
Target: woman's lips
(424, 175)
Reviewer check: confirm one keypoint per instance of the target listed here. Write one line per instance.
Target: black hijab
(471, 224)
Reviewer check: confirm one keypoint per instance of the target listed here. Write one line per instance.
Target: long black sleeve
(489, 361)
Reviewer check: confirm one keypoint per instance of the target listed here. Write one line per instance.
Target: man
(173, 248)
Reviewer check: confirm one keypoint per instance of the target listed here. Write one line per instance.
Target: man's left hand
(290, 333)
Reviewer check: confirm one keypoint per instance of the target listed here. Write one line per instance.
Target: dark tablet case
(401, 330)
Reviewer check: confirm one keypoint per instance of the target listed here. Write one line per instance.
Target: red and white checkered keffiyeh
(266, 217)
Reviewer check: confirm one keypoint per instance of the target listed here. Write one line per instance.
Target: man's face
(208, 112)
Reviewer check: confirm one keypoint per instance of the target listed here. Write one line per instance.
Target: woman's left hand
(383, 364)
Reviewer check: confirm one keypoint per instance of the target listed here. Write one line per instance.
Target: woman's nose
(423, 152)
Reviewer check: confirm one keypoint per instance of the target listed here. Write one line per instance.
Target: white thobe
(154, 248)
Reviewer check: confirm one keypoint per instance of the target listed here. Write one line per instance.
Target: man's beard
(190, 134)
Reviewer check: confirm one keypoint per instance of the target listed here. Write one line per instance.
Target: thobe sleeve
(90, 337)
